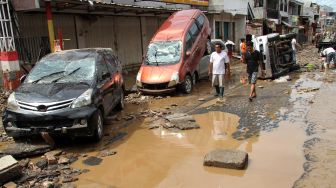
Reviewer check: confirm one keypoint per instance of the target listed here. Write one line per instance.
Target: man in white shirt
(329, 54)
(218, 67)
(294, 49)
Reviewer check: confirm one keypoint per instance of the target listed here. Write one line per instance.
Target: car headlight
(138, 79)
(174, 79)
(11, 102)
(83, 100)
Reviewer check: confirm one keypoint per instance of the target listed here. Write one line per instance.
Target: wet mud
(163, 158)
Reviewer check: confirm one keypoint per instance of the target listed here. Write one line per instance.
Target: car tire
(187, 85)
(208, 48)
(97, 125)
(121, 105)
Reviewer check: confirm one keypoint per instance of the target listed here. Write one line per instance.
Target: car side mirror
(106, 75)
(23, 78)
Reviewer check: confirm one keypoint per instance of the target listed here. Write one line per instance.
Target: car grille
(47, 123)
(45, 107)
(155, 86)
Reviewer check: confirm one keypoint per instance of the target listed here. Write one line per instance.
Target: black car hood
(45, 93)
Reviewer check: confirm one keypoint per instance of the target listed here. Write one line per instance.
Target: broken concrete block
(54, 153)
(51, 160)
(233, 159)
(47, 184)
(63, 160)
(22, 150)
(9, 169)
(10, 185)
(182, 121)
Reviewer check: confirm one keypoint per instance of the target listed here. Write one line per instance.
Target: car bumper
(158, 91)
(65, 122)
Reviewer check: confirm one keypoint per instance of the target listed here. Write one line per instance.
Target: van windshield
(61, 70)
(162, 53)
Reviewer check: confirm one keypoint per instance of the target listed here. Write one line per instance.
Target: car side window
(111, 63)
(200, 21)
(189, 42)
(194, 31)
(101, 68)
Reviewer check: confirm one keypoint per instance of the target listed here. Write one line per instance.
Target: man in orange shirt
(242, 48)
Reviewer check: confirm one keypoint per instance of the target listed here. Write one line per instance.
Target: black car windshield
(63, 68)
(165, 52)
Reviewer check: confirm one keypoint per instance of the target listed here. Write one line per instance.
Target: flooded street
(288, 133)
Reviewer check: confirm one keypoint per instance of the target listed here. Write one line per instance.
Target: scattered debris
(233, 159)
(10, 185)
(282, 79)
(9, 169)
(307, 90)
(106, 153)
(22, 150)
(180, 121)
(201, 99)
(261, 87)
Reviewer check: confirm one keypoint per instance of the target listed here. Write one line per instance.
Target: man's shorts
(252, 77)
(331, 56)
(218, 80)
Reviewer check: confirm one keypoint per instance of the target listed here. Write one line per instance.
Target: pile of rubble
(3, 102)
(3, 99)
(309, 58)
(51, 170)
(138, 98)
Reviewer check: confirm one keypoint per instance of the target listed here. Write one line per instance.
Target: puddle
(161, 158)
(92, 161)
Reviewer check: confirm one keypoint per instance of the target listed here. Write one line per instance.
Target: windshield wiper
(72, 72)
(51, 74)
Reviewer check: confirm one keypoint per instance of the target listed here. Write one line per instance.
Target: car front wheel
(96, 123)
(187, 85)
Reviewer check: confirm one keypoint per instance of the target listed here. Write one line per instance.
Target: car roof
(88, 50)
(74, 54)
(175, 26)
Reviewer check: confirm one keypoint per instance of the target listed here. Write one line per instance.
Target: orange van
(174, 53)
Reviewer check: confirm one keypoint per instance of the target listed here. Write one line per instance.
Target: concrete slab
(22, 150)
(9, 169)
(233, 159)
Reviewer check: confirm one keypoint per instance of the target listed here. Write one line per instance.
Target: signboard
(189, 2)
(25, 5)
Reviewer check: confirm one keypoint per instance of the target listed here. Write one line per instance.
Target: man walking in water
(218, 67)
(252, 60)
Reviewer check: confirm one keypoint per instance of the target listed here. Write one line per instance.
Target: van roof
(174, 27)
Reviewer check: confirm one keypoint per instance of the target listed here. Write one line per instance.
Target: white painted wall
(231, 6)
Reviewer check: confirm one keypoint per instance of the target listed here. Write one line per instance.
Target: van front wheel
(187, 85)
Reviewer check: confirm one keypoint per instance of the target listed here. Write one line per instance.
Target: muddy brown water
(162, 158)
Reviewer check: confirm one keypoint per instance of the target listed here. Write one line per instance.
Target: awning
(93, 7)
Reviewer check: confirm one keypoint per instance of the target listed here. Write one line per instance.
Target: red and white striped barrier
(10, 68)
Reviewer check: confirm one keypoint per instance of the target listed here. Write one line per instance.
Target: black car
(67, 93)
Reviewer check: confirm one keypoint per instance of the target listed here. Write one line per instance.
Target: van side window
(194, 31)
(200, 21)
(189, 42)
(101, 67)
(111, 63)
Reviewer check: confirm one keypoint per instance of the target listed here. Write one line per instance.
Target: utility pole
(9, 58)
